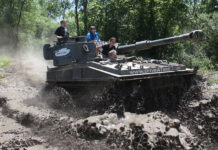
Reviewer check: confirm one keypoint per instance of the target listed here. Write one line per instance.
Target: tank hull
(140, 93)
(89, 75)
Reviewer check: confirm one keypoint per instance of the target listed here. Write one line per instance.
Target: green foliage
(200, 53)
(212, 81)
(33, 22)
(132, 20)
(57, 8)
(25, 22)
(4, 61)
(1, 76)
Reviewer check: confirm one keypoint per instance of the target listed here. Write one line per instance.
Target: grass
(4, 61)
(203, 71)
(213, 81)
(1, 76)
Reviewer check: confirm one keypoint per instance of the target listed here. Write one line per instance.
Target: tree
(127, 20)
(12, 12)
(77, 17)
(85, 19)
(58, 8)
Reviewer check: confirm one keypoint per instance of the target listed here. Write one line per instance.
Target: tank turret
(145, 45)
(76, 49)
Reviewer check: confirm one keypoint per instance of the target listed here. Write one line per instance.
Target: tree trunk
(9, 21)
(18, 23)
(85, 19)
(64, 7)
(77, 17)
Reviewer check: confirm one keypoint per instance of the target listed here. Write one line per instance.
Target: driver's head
(63, 23)
(92, 29)
(112, 54)
(112, 41)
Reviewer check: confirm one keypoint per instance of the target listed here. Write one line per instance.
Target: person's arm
(92, 41)
(88, 38)
(97, 49)
(59, 37)
(97, 37)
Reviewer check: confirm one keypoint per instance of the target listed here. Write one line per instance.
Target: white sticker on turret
(62, 52)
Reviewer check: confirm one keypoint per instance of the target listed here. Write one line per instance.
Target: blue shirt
(90, 36)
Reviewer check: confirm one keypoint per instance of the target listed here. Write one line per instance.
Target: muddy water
(29, 117)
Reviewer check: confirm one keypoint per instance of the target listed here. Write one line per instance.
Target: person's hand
(59, 37)
(99, 55)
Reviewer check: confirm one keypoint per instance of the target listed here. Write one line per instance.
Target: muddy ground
(30, 119)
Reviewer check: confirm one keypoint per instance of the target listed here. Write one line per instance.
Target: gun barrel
(145, 45)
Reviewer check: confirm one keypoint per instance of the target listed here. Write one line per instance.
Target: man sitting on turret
(106, 48)
(92, 36)
(62, 31)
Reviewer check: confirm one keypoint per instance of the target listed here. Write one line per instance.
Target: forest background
(30, 23)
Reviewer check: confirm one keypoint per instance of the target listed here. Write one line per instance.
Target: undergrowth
(4, 61)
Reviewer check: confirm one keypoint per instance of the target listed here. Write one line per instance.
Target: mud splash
(144, 96)
(149, 131)
(201, 116)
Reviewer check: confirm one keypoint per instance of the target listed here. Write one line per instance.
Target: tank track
(144, 96)
(140, 96)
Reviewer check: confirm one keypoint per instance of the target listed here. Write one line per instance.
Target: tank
(76, 66)
(75, 62)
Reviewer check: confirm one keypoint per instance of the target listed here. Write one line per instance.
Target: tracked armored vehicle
(76, 65)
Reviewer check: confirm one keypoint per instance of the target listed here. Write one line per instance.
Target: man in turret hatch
(112, 55)
(106, 48)
(62, 31)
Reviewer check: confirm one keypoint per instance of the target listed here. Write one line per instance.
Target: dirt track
(28, 121)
